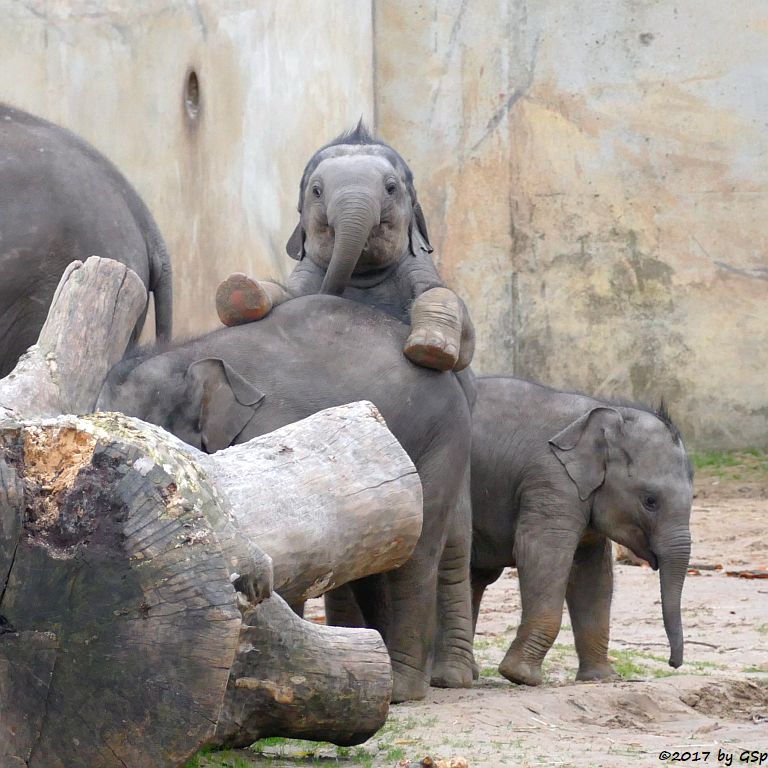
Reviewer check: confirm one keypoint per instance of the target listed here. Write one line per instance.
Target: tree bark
(89, 325)
(117, 600)
(343, 499)
(119, 547)
(296, 679)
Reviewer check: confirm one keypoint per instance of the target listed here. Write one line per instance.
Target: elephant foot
(596, 672)
(520, 671)
(436, 329)
(241, 300)
(434, 353)
(453, 675)
(407, 684)
(475, 669)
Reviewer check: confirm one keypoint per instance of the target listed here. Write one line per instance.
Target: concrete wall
(595, 178)
(276, 80)
(593, 171)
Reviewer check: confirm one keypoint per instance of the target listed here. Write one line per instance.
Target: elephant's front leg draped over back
(241, 299)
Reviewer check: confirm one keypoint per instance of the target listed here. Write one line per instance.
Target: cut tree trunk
(299, 680)
(116, 597)
(89, 325)
(343, 500)
(119, 547)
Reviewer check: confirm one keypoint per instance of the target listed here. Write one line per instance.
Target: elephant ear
(418, 237)
(295, 245)
(582, 448)
(224, 401)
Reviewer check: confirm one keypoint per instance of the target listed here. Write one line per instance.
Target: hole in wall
(192, 95)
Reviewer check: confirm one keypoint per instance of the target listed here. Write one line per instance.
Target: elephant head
(207, 404)
(358, 210)
(633, 468)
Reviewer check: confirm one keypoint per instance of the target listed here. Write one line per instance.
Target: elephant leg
(467, 348)
(436, 325)
(454, 663)
(544, 560)
(589, 594)
(479, 580)
(411, 631)
(341, 608)
(240, 299)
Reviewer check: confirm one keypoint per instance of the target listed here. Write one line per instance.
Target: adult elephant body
(60, 200)
(555, 477)
(312, 353)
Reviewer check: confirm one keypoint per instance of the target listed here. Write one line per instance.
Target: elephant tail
(161, 284)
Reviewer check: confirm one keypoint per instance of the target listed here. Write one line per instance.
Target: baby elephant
(555, 477)
(362, 235)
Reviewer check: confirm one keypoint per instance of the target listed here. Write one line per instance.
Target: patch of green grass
(748, 464)
(762, 629)
(627, 666)
(754, 668)
(494, 641)
(395, 754)
(632, 664)
(363, 757)
(212, 758)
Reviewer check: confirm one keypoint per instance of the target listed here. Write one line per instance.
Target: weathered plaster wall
(593, 171)
(595, 178)
(276, 80)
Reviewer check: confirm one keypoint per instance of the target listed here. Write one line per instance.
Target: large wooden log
(296, 679)
(343, 499)
(117, 596)
(89, 325)
(119, 548)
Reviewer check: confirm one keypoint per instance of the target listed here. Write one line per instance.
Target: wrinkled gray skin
(236, 383)
(362, 235)
(555, 477)
(60, 200)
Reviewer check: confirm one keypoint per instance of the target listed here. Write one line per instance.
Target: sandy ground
(712, 709)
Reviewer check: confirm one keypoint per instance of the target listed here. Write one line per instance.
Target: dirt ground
(713, 710)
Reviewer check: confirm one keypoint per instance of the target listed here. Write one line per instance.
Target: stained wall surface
(595, 177)
(593, 172)
(275, 79)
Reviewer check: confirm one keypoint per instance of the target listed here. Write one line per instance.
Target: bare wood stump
(299, 680)
(120, 620)
(119, 549)
(343, 499)
(89, 324)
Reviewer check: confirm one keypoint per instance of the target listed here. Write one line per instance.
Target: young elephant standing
(555, 477)
(362, 235)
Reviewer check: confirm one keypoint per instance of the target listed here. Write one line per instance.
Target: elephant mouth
(653, 561)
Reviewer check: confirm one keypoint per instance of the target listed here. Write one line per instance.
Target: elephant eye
(650, 502)
(317, 190)
(391, 186)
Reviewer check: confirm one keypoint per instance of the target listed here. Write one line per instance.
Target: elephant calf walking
(555, 477)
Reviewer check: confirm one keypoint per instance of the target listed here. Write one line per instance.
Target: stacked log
(137, 615)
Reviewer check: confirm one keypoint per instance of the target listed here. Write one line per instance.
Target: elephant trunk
(352, 216)
(673, 565)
